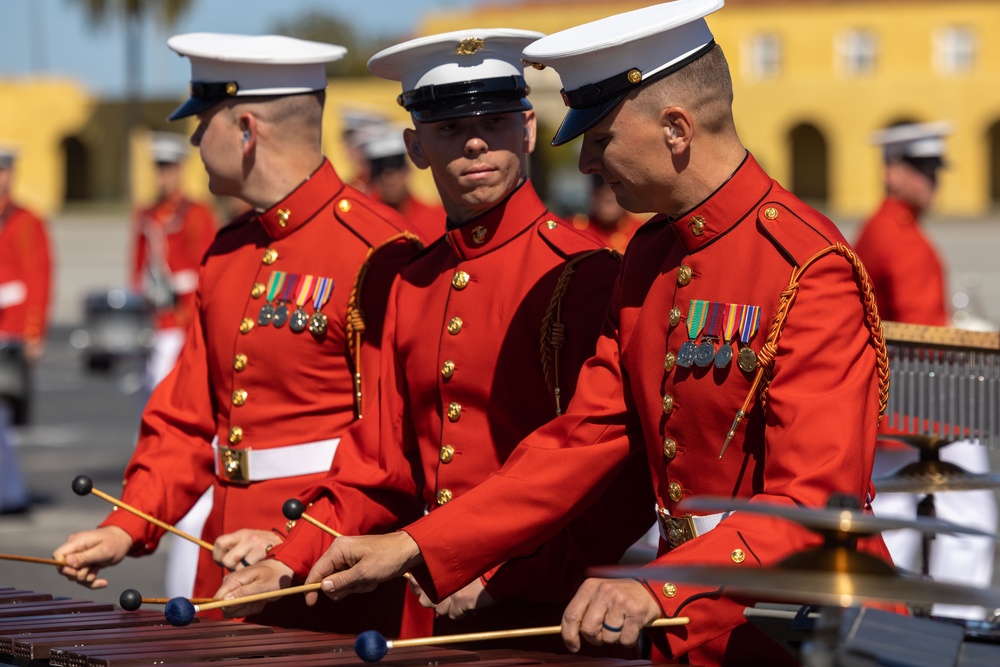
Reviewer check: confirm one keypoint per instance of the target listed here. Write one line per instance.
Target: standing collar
(303, 203)
(518, 212)
(725, 208)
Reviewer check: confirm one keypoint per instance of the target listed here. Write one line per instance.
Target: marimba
(37, 630)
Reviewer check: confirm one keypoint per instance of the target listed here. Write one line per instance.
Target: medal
(281, 310)
(749, 319)
(688, 352)
(318, 322)
(686, 355)
(724, 355)
(300, 318)
(265, 315)
(704, 354)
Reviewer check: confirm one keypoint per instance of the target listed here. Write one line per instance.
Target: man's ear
(678, 128)
(414, 149)
(248, 132)
(530, 131)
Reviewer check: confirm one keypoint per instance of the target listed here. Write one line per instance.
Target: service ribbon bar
(274, 284)
(733, 313)
(716, 313)
(291, 284)
(748, 323)
(696, 317)
(305, 290)
(324, 288)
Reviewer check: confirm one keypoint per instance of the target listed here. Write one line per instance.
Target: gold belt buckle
(678, 530)
(234, 465)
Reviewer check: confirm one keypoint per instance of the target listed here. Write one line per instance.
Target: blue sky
(54, 37)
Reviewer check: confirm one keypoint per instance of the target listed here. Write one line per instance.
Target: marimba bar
(37, 630)
(944, 383)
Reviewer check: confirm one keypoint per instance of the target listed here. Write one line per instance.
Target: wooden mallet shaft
(166, 600)
(82, 485)
(508, 634)
(293, 509)
(32, 559)
(219, 604)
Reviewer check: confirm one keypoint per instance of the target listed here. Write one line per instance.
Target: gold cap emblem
(634, 76)
(467, 47)
(232, 87)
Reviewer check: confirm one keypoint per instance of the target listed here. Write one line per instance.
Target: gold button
(239, 397)
(668, 404)
(684, 275)
(675, 491)
(551, 224)
(455, 325)
(670, 589)
(447, 369)
(738, 556)
(444, 496)
(697, 225)
(675, 316)
(771, 213)
(235, 435)
(460, 280)
(447, 454)
(246, 325)
(670, 448)
(258, 290)
(454, 411)
(270, 256)
(283, 215)
(344, 205)
(669, 361)
(239, 362)
(289, 525)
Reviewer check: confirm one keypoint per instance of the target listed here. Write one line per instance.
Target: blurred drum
(118, 325)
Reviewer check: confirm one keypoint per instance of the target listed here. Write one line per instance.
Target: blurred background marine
(25, 285)
(909, 281)
(606, 219)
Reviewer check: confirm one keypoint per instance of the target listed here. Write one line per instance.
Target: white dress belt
(13, 293)
(257, 465)
(677, 530)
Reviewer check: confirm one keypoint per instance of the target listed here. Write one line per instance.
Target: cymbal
(834, 519)
(843, 589)
(934, 477)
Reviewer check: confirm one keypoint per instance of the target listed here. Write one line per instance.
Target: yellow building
(813, 80)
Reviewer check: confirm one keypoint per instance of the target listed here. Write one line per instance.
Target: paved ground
(85, 424)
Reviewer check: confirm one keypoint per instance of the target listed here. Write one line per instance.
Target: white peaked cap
(224, 66)
(916, 140)
(602, 61)
(388, 142)
(470, 72)
(168, 147)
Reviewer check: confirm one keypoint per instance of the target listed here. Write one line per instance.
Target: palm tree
(102, 12)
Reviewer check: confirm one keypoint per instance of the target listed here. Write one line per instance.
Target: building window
(955, 50)
(857, 51)
(762, 56)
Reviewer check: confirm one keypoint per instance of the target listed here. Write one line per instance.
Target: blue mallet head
(370, 646)
(179, 612)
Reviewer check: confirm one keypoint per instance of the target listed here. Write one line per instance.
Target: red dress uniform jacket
(904, 267)
(25, 273)
(426, 219)
(171, 238)
(463, 381)
(815, 436)
(255, 387)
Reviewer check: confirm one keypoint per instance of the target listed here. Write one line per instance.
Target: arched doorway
(810, 164)
(75, 159)
(993, 146)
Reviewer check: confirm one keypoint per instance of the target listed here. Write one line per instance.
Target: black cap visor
(432, 104)
(193, 106)
(578, 121)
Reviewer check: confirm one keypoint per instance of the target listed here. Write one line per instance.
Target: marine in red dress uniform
(25, 288)
(265, 384)
(606, 219)
(707, 278)
(485, 334)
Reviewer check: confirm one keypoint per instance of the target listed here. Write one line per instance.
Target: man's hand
(608, 611)
(232, 549)
(470, 598)
(87, 552)
(359, 564)
(263, 577)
